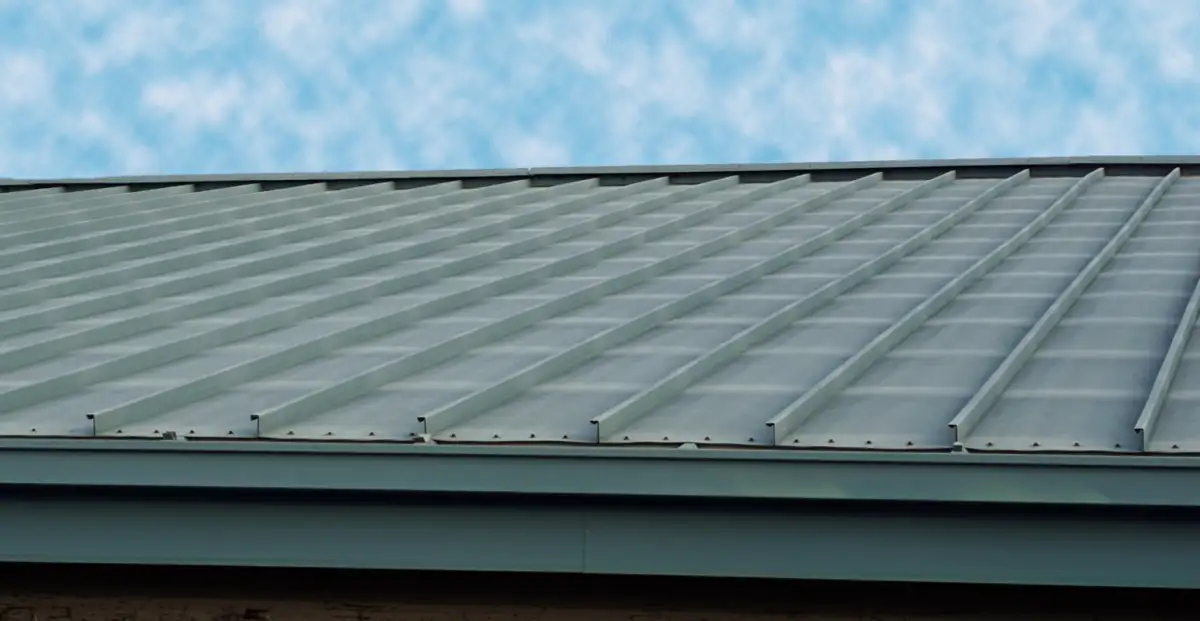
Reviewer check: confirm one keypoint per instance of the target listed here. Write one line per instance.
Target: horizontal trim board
(1190, 166)
(964, 545)
(593, 471)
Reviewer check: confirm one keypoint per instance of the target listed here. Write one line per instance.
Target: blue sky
(98, 87)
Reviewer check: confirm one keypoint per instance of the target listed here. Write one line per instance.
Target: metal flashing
(1064, 165)
(631, 472)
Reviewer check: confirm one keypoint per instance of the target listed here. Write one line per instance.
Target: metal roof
(991, 306)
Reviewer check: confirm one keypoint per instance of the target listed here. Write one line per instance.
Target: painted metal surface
(912, 308)
(1094, 482)
(963, 544)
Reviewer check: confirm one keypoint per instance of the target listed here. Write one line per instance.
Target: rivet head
(495, 436)
(869, 443)
(796, 441)
(454, 435)
(831, 441)
(707, 438)
(1037, 444)
(532, 435)
(909, 443)
(665, 438)
(1074, 444)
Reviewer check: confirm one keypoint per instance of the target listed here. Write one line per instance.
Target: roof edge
(728, 475)
(680, 169)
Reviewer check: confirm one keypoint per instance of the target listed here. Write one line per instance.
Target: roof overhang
(965, 518)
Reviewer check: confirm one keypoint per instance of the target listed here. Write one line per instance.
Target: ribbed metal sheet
(1021, 313)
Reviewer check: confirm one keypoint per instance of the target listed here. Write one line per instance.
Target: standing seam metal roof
(1023, 310)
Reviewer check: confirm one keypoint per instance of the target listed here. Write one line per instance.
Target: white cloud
(208, 85)
(25, 79)
(467, 9)
(200, 101)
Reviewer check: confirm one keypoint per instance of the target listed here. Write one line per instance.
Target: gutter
(599, 472)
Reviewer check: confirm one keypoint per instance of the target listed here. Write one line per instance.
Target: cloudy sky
(98, 87)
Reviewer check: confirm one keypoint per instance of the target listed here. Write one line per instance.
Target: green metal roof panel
(1031, 309)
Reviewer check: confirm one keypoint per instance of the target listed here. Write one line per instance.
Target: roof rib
(621, 416)
(106, 213)
(75, 381)
(479, 401)
(93, 272)
(794, 415)
(1166, 372)
(394, 370)
(275, 420)
(609, 424)
(23, 196)
(105, 243)
(140, 409)
(613, 306)
(241, 296)
(40, 199)
(181, 256)
(111, 212)
(969, 417)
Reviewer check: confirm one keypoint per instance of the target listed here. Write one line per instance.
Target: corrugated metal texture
(1019, 313)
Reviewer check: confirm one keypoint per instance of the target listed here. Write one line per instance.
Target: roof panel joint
(609, 424)
(795, 414)
(969, 417)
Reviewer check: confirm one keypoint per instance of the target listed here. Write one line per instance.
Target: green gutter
(596, 472)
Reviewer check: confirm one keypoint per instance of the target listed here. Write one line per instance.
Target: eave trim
(727, 475)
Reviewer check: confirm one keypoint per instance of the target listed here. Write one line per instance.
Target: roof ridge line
(682, 169)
